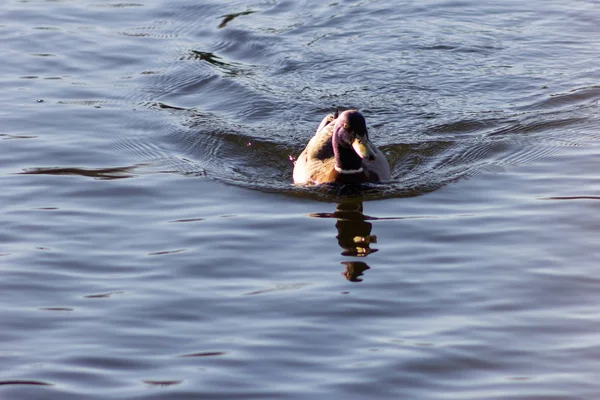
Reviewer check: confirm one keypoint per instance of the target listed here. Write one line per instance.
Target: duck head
(351, 141)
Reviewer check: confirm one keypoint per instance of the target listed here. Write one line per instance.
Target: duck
(341, 152)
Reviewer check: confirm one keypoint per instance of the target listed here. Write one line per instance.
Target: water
(153, 246)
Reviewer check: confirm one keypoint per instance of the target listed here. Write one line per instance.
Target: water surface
(153, 246)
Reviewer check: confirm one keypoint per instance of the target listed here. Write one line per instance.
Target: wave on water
(242, 102)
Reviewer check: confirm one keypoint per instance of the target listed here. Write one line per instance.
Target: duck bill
(364, 148)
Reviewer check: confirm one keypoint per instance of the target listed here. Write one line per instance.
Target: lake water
(154, 247)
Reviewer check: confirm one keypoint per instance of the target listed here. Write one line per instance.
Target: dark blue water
(153, 246)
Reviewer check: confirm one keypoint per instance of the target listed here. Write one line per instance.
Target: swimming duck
(341, 152)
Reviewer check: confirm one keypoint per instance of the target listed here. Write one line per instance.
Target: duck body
(341, 152)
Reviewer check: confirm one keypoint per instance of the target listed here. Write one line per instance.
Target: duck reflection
(354, 235)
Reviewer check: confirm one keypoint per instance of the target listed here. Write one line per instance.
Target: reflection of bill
(354, 236)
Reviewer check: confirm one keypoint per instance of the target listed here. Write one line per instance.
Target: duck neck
(346, 160)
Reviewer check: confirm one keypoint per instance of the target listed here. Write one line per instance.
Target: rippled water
(153, 246)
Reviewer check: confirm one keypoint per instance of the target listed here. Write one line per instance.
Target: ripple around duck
(259, 156)
(260, 159)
